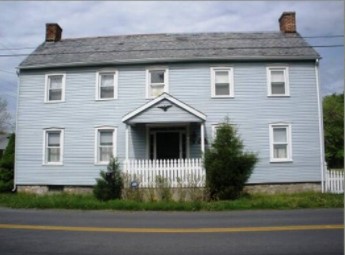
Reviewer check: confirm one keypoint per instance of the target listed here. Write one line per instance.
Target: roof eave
(159, 60)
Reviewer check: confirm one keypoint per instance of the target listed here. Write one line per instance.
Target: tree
(7, 166)
(333, 120)
(110, 185)
(227, 166)
(5, 116)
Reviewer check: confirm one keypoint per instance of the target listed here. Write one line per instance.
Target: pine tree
(7, 166)
(110, 185)
(228, 167)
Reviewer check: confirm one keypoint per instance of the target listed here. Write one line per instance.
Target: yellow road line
(173, 230)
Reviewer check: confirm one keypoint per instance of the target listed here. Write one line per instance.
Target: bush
(227, 166)
(7, 166)
(110, 185)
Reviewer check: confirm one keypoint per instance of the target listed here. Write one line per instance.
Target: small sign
(134, 184)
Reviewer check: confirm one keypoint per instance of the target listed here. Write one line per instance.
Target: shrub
(227, 166)
(110, 185)
(7, 166)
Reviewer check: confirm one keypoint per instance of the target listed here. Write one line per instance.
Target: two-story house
(154, 101)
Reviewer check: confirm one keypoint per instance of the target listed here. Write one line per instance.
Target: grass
(248, 202)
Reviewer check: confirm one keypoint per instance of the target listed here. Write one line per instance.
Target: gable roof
(158, 48)
(197, 115)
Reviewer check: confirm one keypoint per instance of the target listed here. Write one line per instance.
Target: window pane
(277, 76)
(107, 92)
(157, 76)
(107, 80)
(279, 135)
(55, 82)
(157, 90)
(280, 150)
(55, 94)
(222, 77)
(106, 138)
(54, 139)
(278, 88)
(105, 153)
(222, 89)
(53, 154)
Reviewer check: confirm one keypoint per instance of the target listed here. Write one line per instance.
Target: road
(109, 232)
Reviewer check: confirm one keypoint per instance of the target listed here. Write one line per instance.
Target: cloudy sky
(22, 27)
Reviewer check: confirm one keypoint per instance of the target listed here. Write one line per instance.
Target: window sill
(278, 96)
(101, 163)
(52, 164)
(105, 99)
(274, 161)
(54, 102)
(222, 97)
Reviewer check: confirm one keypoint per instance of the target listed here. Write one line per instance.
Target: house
(155, 100)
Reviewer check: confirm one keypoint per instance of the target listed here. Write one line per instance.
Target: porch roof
(164, 109)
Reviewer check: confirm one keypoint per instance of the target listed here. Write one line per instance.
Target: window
(157, 82)
(278, 84)
(53, 146)
(106, 85)
(55, 88)
(280, 139)
(105, 144)
(222, 84)
(214, 130)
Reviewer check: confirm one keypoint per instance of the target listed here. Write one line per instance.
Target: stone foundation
(175, 193)
(41, 190)
(286, 188)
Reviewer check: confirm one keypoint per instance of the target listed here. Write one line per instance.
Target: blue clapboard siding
(250, 110)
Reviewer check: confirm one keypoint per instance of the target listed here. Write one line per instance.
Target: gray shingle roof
(154, 48)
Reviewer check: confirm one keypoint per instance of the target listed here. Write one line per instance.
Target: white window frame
(63, 85)
(231, 81)
(285, 70)
(214, 128)
(288, 139)
(98, 83)
(97, 140)
(45, 146)
(148, 80)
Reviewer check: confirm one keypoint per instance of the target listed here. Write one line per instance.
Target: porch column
(202, 134)
(127, 143)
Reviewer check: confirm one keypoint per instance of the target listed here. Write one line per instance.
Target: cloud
(22, 24)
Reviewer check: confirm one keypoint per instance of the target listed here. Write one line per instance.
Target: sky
(22, 27)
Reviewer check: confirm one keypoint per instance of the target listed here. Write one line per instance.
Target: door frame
(179, 128)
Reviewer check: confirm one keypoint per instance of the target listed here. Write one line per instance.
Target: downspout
(16, 132)
(321, 131)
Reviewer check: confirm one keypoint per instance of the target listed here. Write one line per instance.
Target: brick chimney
(287, 22)
(53, 32)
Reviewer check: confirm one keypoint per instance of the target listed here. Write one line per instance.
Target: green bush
(7, 166)
(110, 185)
(227, 166)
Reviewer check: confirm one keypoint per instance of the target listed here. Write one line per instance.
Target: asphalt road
(107, 232)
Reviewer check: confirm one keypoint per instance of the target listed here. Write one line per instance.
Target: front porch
(165, 142)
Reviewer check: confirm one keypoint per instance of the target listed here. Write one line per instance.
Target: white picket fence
(334, 181)
(173, 172)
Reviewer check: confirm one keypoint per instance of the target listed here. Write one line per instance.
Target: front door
(167, 143)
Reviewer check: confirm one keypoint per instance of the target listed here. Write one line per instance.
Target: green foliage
(333, 119)
(249, 202)
(227, 166)
(7, 166)
(110, 185)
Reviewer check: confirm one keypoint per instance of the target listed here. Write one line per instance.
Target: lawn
(248, 202)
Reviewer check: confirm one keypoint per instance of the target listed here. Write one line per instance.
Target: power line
(165, 49)
(203, 39)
